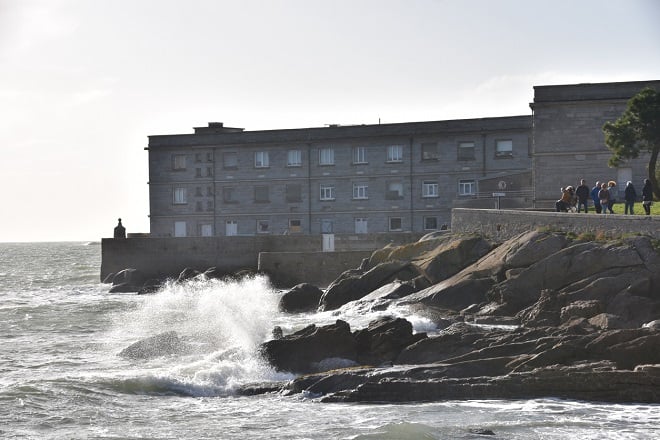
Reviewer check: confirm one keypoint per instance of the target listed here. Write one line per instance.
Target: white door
(207, 230)
(360, 225)
(623, 175)
(231, 228)
(328, 242)
(179, 229)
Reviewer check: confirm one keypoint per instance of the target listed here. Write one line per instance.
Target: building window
(429, 188)
(430, 151)
(294, 158)
(326, 226)
(261, 194)
(396, 224)
(230, 160)
(263, 227)
(466, 151)
(179, 162)
(395, 153)
(295, 226)
(180, 196)
(359, 155)
(293, 193)
(327, 192)
(231, 228)
(394, 191)
(209, 172)
(198, 172)
(198, 191)
(326, 156)
(198, 206)
(209, 157)
(229, 194)
(209, 205)
(180, 229)
(430, 223)
(361, 225)
(504, 148)
(206, 230)
(360, 191)
(198, 157)
(261, 159)
(467, 187)
(209, 191)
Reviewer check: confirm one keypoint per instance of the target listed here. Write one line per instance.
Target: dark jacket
(647, 193)
(630, 194)
(582, 193)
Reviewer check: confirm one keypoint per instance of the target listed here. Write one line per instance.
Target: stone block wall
(504, 224)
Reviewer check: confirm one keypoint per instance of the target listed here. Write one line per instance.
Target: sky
(84, 82)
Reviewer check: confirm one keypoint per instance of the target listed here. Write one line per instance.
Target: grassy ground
(619, 208)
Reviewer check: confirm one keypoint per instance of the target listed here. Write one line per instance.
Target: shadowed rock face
(160, 345)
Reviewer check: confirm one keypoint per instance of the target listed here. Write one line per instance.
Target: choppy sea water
(61, 378)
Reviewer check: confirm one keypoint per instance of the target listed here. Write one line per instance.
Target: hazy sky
(84, 82)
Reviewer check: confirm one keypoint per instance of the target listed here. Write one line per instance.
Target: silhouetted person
(120, 230)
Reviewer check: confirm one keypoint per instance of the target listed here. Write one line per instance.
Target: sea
(61, 376)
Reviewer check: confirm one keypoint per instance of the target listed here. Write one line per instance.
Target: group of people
(603, 196)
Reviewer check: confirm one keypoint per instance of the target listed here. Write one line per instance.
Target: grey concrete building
(569, 143)
(384, 178)
(337, 179)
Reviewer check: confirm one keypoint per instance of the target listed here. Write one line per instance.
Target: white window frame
(179, 196)
(429, 188)
(326, 156)
(261, 159)
(263, 226)
(360, 191)
(359, 155)
(504, 148)
(294, 158)
(180, 229)
(326, 192)
(394, 187)
(389, 222)
(206, 230)
(178, 161)
(467, 187)
(395, 153)
(430, 156)
(361, 225)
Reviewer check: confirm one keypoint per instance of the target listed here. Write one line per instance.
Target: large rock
(351, 288)
(383, 340)
(301, 298)
(128, 280)
(163, 344)
(303, 351)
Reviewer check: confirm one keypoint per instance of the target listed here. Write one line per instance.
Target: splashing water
(222, 324)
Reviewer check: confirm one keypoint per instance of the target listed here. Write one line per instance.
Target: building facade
(359, 179)
(569, 143)
(335, 180)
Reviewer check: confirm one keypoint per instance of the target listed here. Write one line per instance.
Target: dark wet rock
(479, 431)
(383, 340)
(124, 288)
(301, 298)
(214, 273)
(150, 286)
(108, 279)
(130, 277)
(545, 312)
(581, 309)
(302, 351)
(633, 309)
(160, 345)
(351, 288)
(277, 332)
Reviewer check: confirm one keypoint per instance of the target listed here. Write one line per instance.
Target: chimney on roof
(216, 127)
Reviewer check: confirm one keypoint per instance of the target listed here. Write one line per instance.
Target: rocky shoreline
(541, 315)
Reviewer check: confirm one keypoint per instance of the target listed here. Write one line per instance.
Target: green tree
(637, 130)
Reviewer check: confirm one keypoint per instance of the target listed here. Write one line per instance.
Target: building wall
(216, 164)
(569, 143)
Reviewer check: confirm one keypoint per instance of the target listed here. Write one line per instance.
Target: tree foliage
(636, 131)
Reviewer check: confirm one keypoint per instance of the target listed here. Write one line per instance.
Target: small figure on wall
(120, 230)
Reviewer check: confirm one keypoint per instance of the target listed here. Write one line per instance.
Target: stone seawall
(320, 268)
(165, 257)
(504, 224)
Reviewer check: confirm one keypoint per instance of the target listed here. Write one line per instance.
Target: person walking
(647, 196)
(630, 197)
(612, 195)
(582, 193)
(604, 197)
(594, 197)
